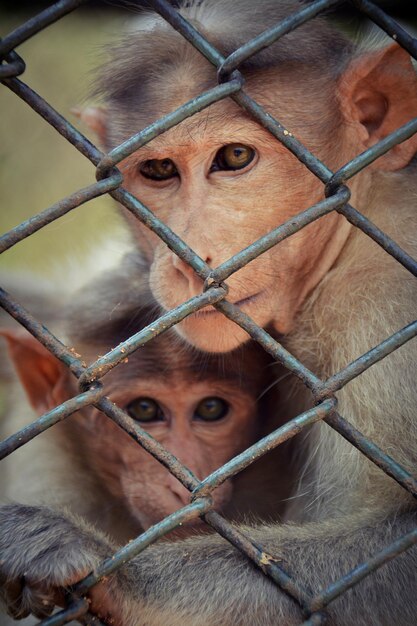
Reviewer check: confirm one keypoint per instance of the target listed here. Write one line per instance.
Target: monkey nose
(181, 493)
(195, 283)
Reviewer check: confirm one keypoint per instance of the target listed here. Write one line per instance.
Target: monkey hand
(43, 552)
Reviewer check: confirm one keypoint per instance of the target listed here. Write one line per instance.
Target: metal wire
(109, 181)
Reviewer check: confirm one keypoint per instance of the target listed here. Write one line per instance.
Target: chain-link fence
(109, 181)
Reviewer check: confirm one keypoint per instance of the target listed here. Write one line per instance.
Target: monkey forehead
(280, 92)
(154, 66)
(168, 358)
(175, 364)
(180, 384)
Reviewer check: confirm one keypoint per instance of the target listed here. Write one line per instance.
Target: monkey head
(220, 180)
(204, 409)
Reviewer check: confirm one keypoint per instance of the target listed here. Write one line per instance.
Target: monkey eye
(234, 156)
(211, 409)
(159, 169)
(145, 410)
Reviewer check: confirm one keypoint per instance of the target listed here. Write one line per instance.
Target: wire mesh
(109, 181)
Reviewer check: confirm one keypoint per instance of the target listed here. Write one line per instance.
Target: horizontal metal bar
(148, 443)
(185, 111)
(60, 208)
(373, 153)
(359, 573)
(67, 408)
(390, 26)
(288, 228)
(37, 23)
(373, 452)
(271, 345)
(167, 320)
(266, 444)
(42, 334)
(351, 371)
(268, 37)
(135, 547)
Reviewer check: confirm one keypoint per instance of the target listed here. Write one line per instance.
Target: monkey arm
(41, 553)
(205, 580)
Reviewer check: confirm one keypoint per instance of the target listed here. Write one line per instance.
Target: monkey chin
(211, 331)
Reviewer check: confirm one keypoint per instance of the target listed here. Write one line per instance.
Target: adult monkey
(329, 290)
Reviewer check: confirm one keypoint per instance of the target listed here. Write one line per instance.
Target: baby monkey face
(203, 423)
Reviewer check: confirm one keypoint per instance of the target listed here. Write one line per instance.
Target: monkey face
(203, 424)
(221, 182)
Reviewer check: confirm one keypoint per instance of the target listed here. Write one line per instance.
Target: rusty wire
(109, 181)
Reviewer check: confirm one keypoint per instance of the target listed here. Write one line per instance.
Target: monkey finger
(43, 610)
(38, 602)
(42, 600)
(10, 589)
(11, 595)
(105, 604)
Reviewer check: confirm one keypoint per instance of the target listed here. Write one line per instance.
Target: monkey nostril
(195, 283)
(179, 500)
(180, 494)
(204, 255)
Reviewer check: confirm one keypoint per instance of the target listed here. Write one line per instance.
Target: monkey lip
(209, 310)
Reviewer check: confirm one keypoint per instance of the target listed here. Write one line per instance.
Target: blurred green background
(37, 166)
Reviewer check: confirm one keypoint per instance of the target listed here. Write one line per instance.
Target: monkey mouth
(210, 310)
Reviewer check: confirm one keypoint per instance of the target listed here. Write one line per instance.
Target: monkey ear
(44, 378)
(95, 117)
(378, 93)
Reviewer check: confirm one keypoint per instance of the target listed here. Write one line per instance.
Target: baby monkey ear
(378, 94)
(95, 117)
(44, 378)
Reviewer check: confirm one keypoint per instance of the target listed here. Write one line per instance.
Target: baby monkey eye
(234, 156)
(211, 409)
(145, 410)
(158, 169)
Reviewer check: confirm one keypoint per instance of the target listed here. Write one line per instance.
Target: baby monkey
(204, 408)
